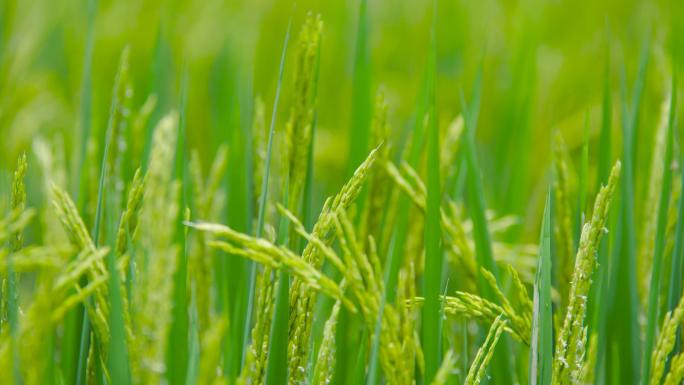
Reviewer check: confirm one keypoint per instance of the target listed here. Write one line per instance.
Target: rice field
(341, 192)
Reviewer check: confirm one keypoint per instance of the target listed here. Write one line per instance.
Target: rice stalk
(153, 291)
(474, 306)
(209, 372)
(34, 258)
(325, 362)
(676, 374)
(128, 224)
(363, 282)
(301, 298)
(48, 161)
(651, 201)
(563, 229)
(451, 144)
(571, 342)
(299, 125)
(8, 288)
(208, 204)
(660, 234)
(264, 150)
(378, 180)
(458, 234)
(445, 369)
(665, 344)
(485, 353)
(80, 238)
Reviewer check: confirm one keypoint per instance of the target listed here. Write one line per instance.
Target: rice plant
(341, 193)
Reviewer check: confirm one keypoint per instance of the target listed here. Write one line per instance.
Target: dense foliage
(194, 192)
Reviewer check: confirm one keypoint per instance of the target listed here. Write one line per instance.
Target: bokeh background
(545, 65)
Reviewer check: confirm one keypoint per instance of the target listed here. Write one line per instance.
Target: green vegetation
(365, 192)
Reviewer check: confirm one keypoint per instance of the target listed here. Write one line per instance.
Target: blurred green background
(544, 66)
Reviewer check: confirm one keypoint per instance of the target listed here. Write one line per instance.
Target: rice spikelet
(563, 228)
(484, 354)
(325, 364)
(448, 365)
(654, 186)
(569, 356)
(154, 291)
(302, 298)
(209, 373)
(299, 125)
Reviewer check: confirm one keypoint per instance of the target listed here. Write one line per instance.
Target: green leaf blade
(658, 254)
(433, 251)
(541, 349)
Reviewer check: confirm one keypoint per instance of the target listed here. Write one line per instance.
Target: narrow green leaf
(677, 269)
(433, 250)
(373, 376)
(83, 349)
(118, 364)
(309, 219)
(276, 371)
(74, 368)
(193, 361)
(118, 361)
(18, 202)
(85, 329)
(178, 347)
(583, 189)
(653, 320)
(677, 262)
(475, 196)
(307, 210)
(264, 195)
(359, 137)
(161, 74)
(239, 216)
(359, 132)
(221, 95)
(584, 178)
(541, 349)
(13, 316)
(475, 202)
(515, 143)
(276, 367)
(359, 375)
(625, 315)
(401, 226)
(85, 107)
(395, 250)
(600, 311)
